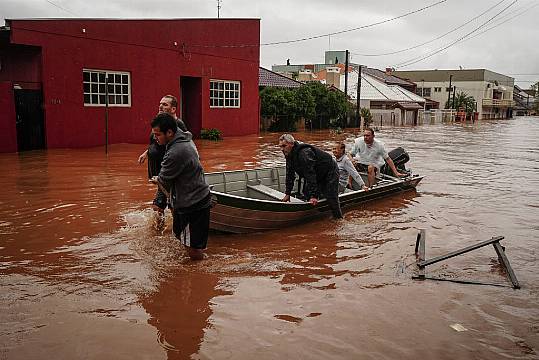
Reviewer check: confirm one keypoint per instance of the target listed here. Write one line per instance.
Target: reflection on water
(85, 273)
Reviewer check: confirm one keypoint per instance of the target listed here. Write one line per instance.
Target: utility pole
(358, 95)
(450, 88)
(106, 114)
(454, 91)
(346, 86)
(423, 96)
(218, 8)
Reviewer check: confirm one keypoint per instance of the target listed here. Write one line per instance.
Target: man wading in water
(155, 151)
(182, 176)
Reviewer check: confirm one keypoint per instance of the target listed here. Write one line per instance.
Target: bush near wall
(320, 107)
(211, 134)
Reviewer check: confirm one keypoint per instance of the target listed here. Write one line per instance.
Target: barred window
(97, 84)
(423, 91)
(224, 94)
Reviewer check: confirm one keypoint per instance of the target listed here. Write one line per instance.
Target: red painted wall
(156, 53)
(8, 129)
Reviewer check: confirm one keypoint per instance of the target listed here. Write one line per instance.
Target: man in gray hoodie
(182, 176)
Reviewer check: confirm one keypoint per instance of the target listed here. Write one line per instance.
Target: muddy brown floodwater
(84, 275)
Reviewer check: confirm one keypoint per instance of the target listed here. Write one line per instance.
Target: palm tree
(461, 101)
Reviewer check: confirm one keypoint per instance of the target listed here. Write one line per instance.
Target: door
(191, 103)
(29, 119)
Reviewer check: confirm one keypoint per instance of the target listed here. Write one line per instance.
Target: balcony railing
(498, 102)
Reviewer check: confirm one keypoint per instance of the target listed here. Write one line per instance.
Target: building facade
(76, 82)
(492, 92)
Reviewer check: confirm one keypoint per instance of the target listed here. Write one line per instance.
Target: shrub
(211, 134)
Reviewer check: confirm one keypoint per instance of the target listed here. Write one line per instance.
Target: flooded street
(84, 274)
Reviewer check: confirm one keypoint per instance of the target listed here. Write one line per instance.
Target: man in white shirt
(370, 154)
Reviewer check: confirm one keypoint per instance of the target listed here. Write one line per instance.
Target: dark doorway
(29, 119)
(191, 103)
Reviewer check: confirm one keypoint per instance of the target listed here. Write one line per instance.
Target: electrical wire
(175, 50)
(356, 28)
(434, 39)
(328, 34)
(504, 21)
(61, 8)
(424, 57)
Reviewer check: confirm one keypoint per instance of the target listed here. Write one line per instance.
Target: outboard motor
(399, 157)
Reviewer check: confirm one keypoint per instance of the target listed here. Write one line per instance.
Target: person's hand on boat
(398, 174)
(143, 157)
(313, 201)
(365, 188)
(286, 198)
(154, 180)
(158, 209)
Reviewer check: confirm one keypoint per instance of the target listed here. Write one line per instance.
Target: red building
(56, 77)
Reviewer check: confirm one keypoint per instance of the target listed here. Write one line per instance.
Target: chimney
(333, 76)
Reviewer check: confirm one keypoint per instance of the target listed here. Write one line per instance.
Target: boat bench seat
(266, 190)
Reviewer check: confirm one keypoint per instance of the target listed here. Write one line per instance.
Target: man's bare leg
(371, 175)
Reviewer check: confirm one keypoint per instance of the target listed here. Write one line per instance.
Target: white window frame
(225, 94)
(118, 90)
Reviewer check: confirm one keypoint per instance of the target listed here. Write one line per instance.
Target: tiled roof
(272, 79)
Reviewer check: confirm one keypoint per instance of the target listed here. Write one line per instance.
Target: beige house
(493, 92)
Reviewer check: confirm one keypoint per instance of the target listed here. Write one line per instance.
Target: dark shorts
(192, 228)
(364, 168)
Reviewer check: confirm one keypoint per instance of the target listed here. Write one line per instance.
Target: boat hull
(240, 214)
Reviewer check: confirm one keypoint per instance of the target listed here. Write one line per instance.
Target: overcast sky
(506, 43)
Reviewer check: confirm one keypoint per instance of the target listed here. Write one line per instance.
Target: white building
(492, 92)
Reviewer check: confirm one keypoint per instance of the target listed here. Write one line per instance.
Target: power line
(61, 8)
(324, 35)
(356, 28)
(421, 58)
(434, 39)
(183, 49)
(524, 10)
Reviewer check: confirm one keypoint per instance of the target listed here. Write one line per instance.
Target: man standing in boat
(317, 167)
(182, 176)
(372, 154)
(155, 152)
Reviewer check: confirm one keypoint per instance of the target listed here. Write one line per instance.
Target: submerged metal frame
(422, 263)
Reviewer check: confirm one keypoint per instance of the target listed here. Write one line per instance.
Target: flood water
(85, 275)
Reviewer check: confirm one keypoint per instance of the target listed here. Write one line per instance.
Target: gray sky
(507, 43)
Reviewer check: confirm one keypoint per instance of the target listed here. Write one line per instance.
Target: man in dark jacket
(317, 167)
(155, 151)
(182, 176)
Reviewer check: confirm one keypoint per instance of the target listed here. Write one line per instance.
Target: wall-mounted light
(17, 87)
(175, 43)
(83, 30)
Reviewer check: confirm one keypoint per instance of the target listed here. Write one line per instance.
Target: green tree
(330, 106)
(535, 88)
(305, 103)
(366, 115)
(461, 101)
(313, 102)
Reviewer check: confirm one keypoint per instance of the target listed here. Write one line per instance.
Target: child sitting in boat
(347, 170)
